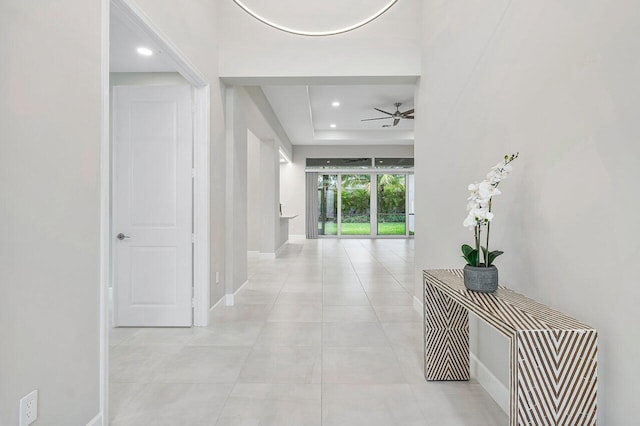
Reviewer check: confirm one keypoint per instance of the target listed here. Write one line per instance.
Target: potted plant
(479, 273)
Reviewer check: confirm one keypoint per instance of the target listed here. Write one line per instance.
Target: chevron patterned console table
(553, 362)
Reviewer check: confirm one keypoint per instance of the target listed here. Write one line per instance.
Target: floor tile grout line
(253, 346)
(395, 353)
(353, 256)
(322, 337)
(385, 268)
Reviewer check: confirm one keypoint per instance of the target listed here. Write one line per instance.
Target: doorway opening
(365, 205)
(361, 203)
(155, 86)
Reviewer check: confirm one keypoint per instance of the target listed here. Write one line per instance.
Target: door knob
(121, 236)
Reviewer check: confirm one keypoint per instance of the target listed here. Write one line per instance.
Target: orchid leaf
(470, 254)
(493, 255)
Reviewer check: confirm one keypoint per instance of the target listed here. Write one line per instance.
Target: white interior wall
(254, 182)
(292, 176)
(270, 196)
(246, 124)
(50, 115)
(236, 190)
(555, 81)
(388, 46)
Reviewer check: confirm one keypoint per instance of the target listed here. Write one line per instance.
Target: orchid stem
(478, 246)
(486, 253)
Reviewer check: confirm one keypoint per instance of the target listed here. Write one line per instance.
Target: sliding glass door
(392, 204)
(356, 205)
(328, 205)
(365, 204)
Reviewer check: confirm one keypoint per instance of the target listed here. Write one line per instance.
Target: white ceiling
(125, 38)
(306, 113)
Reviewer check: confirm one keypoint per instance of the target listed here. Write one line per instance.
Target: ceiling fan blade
(408, 112)
(385, 112)
(381, 118)
(386, 125)
(396, 121)
(409, 117)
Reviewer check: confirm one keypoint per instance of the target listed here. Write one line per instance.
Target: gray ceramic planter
(481, 279)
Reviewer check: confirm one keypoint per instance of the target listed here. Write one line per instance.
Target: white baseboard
(96, 421)
(494, 387)
(269, 256)
(222, 299)
(279, 251)
(253, 254)
(297, 237)
(230, 298)
(417, 305)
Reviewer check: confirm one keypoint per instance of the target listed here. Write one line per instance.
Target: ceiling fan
(396, 116)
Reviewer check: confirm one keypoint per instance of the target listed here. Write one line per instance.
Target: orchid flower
(479, 207)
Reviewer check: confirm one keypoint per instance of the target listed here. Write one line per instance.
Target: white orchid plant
(480, 215)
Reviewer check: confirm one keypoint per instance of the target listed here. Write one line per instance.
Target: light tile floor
(324, 335)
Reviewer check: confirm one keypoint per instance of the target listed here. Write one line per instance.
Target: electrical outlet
(29, 408)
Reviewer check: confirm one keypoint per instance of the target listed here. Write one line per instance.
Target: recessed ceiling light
(333, 126)
(335, 104)
(145, 51)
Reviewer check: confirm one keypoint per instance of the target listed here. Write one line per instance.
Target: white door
(152, 204)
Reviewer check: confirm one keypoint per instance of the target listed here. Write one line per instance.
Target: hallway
(324, 334)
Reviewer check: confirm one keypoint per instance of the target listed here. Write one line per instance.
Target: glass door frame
(373, 201)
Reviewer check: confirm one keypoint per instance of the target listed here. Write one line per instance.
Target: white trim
(281, 248)
(339, 211)
(229, 216)
(96, 421)
(373, 204)
(135, 14)
(417, 305)
(285, 155)
(230, 298)
(494, 387)
(241, 287)
(222, 299)
(253, 254)
(202, 99)
(297, 237)
(201, 202)
(105, 213)
(267, 256)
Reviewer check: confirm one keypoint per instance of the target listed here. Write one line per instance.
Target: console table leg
(556, 376)
(446, 337)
